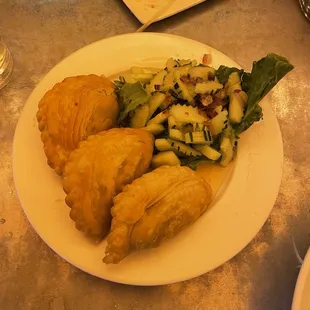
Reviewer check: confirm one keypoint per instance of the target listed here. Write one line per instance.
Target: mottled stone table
(42, 32)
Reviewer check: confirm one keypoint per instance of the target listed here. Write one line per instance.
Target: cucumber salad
(196, 112)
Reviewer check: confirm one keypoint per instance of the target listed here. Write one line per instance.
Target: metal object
(305, 7)
(6, 64)
(263, 276)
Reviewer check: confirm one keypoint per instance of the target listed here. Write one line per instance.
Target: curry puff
(154, 208)
(71, 111)
(98, 170)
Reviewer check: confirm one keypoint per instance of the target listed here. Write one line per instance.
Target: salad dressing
(216, 175)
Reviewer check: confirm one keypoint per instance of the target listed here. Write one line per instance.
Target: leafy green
(217, 142)
(193, 162)
(265, 74)
(223, 73)
(246, 81)
(255, 115)
(130, 95)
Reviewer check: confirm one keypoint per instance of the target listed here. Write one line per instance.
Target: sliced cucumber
(159, 118)
(186, 114)
(218, 123)
(233, 79)
(172, 124)
(182, 90)
(191, 90)
(244, 96)
(184, 62)
(208, 151)
(234, 87)
(221, 94)
(201, 72)
(199, 127)
(176, 134)
(156, 100)
(157, 80)
(198, 137)
(165, 158)
(229, 133)
(185, 128)
(236, 107)
(194, 63)
(141, 77)
(171, 63)
(218, 109)
(144, 70)
(183, 148)
(181, 71)
(163, 145)
(226, 151)
(166, 103)
(140, 117)
(168, 81)
(209, 87)
(233, 82)
(155, 129)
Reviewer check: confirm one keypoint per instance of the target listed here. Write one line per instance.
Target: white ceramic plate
(301, 300)
(144, 10)
(223, 231)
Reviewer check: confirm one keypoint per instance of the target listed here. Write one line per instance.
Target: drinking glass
(305, 7)
(6, 64)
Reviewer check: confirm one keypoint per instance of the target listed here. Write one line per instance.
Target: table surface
(39, 34)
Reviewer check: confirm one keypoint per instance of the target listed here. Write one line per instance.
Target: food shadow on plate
(218, 177)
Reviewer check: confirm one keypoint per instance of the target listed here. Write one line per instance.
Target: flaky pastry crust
(98, 170)
(154, 208)
(72, 110)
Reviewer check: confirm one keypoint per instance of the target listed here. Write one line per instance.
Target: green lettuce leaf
(265, 74)
(193, 162)
(246, 81)
(223, 73)
(130, 95)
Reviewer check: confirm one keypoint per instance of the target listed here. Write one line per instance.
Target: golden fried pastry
(154, 208)
(71, 111)
(98, 170)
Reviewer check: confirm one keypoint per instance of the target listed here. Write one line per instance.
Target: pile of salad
(196, 112)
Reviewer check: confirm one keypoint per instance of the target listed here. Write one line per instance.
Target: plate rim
(303, 275)
(140, 283)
